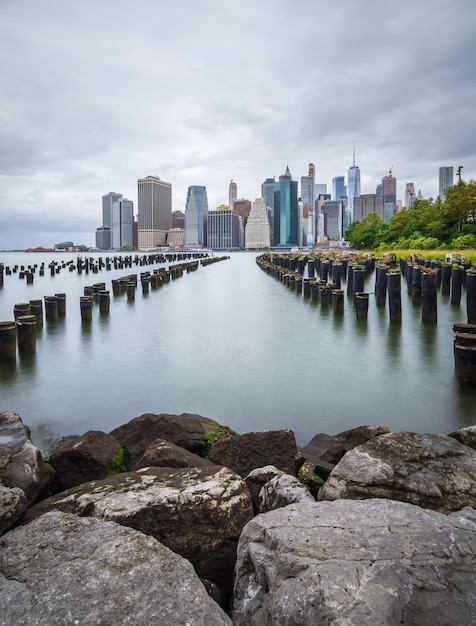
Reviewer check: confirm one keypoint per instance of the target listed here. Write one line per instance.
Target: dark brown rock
(162, 453)
(249, 451)
(185, 430)
(466, 436)
(83, 459)
(331, 448)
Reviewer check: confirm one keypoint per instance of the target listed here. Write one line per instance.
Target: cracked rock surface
(369, 562)
(62, 569)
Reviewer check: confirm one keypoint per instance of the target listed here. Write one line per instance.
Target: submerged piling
(471, 296)
(26, 334)
(429, 287)
(8, 342)
(361, 305)
(104, 301)
(457, 276)
(465, 354)
(86, 306)
(36, 307)
(394, 288)
(51, 308)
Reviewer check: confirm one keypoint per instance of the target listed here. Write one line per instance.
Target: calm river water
(231, 343)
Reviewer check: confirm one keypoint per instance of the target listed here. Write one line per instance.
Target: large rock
(186, 430)
(246, 452)
(466, 436)
(331, 448)
(85, 458)
(281, 491)
(62, 569)
(21, 463)
(363, 563)
(162, 453)
(432, 471)
(257, 478)
(12, 506)
(196, 512)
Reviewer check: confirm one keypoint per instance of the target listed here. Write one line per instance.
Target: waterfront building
(445, 180)
(308, 196)
(409, 195)
(286, 211)
(353, 186)
(333, 219)
(389, 188)
(196, 215)
(370, 203)
(257, 229)
(117, 230)
(243, 208)
(338, 187)
(154, 212)
(225, 229)
(178, 219)
(175, 237)
(232, 194)
(320, 230)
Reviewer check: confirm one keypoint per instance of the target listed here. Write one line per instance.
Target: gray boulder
(281, 491)
(12, 506)
(186, 430)
(364, 563)
(249, 451)
(84, 458)
(257, 478)
(162, 453)
(21, 463)
(432, 471)
(62, 569)
(466, 436)
(197, 512)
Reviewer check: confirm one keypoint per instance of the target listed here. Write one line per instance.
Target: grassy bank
(469, 254)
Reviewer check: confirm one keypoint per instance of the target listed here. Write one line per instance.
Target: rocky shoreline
(176, 519)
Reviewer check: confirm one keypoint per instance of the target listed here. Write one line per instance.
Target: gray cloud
(97, 94)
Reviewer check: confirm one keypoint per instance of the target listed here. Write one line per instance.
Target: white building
(154, 212)
(258, 231)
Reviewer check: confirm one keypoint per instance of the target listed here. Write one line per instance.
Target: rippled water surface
(231, 343)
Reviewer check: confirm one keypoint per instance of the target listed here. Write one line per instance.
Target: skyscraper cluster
(281, 217)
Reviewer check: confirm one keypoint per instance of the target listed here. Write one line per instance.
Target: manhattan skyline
(92, 101)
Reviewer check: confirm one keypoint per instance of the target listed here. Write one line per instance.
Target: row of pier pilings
(21, 333)
(95, 265)
(424, 280)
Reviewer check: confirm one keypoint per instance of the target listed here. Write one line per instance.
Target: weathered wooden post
(416, 284)
(51, 308)
(104, 301)
(394, 288)
(361, 304)
(2, 270)
(429, 287)
(338, 301)
(23, 308)
(457, 275)
(465, 354)
(324, 293)
(86, 306)
(26, 334)
(8, 342)
(337, 274)
(471, 296)
(381, 285)
(131, 290)
(36, 307)
(324, 272)
(358, 279)
(61, 300)
(445, 279)
(350, 279)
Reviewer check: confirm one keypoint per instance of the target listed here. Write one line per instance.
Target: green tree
(460, 204)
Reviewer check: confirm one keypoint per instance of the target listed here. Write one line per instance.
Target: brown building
(178, 219)
(243, 208)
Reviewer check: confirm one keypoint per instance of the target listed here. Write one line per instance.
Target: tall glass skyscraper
(353, 185)
(286, 213)
(338, 187)
(196, 213)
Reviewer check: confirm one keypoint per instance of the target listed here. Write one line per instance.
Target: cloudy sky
(98, 93)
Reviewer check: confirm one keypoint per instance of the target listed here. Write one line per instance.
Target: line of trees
(429, 224)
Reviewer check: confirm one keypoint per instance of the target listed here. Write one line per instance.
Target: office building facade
(232, 194)
(389, 188)
(225, 229)
(286, 212)
(338, 187)
(117, 229)
(154, 212)
(445, 180)
(196, 216)
(409, 195)
(353, 186)
(257, 229)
